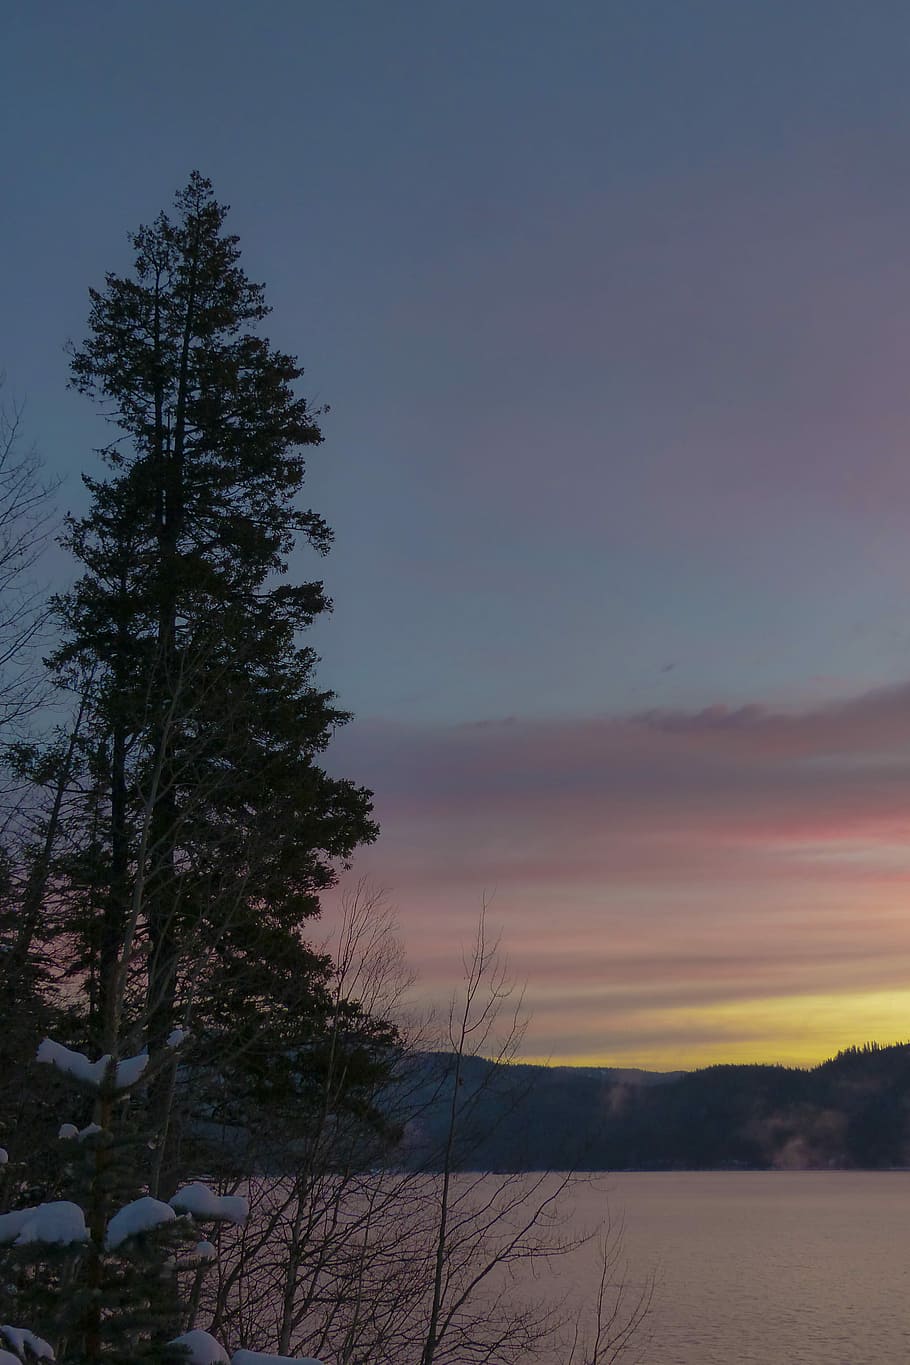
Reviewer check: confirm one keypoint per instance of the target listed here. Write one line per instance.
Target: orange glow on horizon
(797, 1031)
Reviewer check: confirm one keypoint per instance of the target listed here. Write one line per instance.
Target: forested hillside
(852, 1111)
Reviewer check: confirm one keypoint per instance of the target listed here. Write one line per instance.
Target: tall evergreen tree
(220, 827)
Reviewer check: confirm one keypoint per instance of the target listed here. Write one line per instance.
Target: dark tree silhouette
(213, 826)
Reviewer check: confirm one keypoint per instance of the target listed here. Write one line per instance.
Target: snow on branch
(200, 1348)
(26, 1343)
(22, 1341)
(203, 1349)
(11, 1224)
(203, 1203)
(58, 1223)
(77, 1065)
(69, 1130)
(140, 1216)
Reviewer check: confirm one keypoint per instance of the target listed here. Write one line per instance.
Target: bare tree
(497, 1236)
(424, 1262)
(26, 517)
(28, 826)
(615, 1321)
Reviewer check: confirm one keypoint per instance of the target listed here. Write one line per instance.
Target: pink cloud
(674, 857)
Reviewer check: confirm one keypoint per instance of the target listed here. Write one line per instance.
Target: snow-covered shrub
(103, 1270)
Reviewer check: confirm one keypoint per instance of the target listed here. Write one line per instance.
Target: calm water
(776, 1268)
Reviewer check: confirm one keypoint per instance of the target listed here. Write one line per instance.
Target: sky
(611, 305)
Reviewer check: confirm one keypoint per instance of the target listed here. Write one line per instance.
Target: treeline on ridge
(852, 1111)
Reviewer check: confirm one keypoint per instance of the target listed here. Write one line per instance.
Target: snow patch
(59, 1223)
(4, 1156)
(139, 1216)
(177, 1036)
(21, 1338)
(77, 1065)
(200, 1348)
(11, 1224)
(203, 1203)
(130, 1069)
(204, 1251)
(67, 1131)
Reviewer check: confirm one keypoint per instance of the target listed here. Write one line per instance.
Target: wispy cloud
(666, 860)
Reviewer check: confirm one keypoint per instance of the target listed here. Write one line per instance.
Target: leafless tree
(27, 826)
(26, 518)
(434, 1265)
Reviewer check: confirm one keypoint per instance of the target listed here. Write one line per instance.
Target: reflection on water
(775, 1268)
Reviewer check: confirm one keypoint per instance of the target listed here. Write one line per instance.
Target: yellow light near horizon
(797, 1030)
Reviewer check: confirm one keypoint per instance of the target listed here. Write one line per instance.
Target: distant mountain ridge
(623, 1075)
(852, 1111)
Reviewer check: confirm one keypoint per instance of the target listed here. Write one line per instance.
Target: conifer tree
(219, 828)
(98, 1270)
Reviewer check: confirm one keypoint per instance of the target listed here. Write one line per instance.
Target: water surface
(775, 1268)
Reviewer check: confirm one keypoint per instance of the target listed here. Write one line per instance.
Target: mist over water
(767, 1268)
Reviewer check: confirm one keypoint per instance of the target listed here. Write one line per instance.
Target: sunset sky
(611, 304)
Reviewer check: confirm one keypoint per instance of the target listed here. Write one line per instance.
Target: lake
(763, 1268)
(775, 1268)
